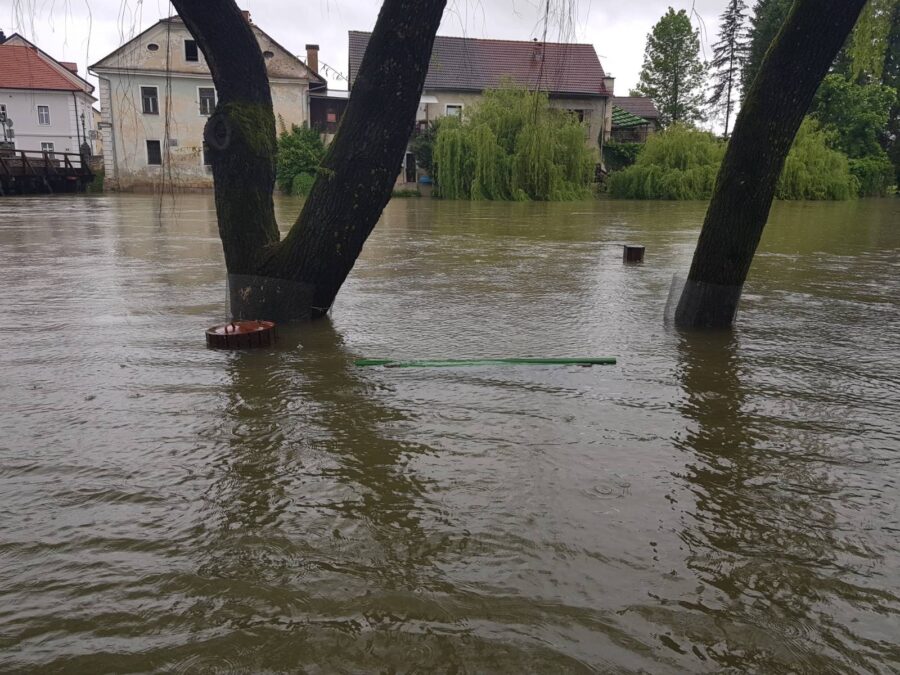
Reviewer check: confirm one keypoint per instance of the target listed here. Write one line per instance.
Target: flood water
(711, 503)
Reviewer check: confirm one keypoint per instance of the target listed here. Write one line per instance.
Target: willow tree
(773, 110)
(298, 277)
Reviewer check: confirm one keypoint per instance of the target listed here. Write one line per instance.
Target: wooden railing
(40, 163)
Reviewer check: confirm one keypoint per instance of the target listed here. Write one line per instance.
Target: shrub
(875, 175)
(96, 185)
(513, 146)
(422, 146)
(678, 163)
(618, 156)
(403, 193)
(813, 170)
(300, 151)
(302, 184)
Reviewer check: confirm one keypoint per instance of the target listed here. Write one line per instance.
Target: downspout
(77, 135)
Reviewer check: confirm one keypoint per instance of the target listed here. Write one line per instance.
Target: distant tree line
(856, 112)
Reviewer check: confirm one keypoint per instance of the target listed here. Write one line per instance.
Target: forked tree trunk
(299, 277)
(773, 110)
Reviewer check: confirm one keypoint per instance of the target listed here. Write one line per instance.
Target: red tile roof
(642, 106)
(23, 68)
(468, 64)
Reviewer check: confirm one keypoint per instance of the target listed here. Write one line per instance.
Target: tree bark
(773, 110)
(299, 277)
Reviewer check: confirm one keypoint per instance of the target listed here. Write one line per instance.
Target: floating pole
(632, 253)
(241, 335)
(454, 363)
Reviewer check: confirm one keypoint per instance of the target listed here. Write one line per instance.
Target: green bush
(403, 193)
(678, 163)
(422, 147)
(300, 151)
(875, 175)
(813, 170)
(513, 146)
(618, 156)
(302, 184)
(96, 185)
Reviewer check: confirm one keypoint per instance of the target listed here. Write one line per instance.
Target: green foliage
(682, 163)
(422, 146)
(869, 42)
(618, 156)
(300, 151)
(302, 183)
(403, 194)
(768, 17)
(96, 185)
(729, 56)
(513, 146)
(873, 174)
(673, 75)
(857, 113)
(678, 163)
(813, 170)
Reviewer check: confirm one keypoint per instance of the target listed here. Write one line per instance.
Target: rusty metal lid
(241, 335)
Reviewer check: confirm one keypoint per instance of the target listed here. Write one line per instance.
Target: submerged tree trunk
(773, 109)
(299, 277)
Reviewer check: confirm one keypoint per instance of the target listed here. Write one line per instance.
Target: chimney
(246, 14)
(312, 58)
(2, 36)
(609, 83)
(70, 66)
(538, 54)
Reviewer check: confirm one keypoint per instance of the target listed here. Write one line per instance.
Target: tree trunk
(773, 109)
(299, 277)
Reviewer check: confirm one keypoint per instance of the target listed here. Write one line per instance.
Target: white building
(156, 93)
(44, 98)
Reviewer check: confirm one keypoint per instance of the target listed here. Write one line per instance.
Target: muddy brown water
(712, 503)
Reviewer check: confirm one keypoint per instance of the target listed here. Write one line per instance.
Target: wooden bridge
(29, 172)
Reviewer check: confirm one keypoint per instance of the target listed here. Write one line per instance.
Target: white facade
(29, 109)
(155, 99)
(48, 119)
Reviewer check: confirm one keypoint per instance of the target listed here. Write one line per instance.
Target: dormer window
(191, 53)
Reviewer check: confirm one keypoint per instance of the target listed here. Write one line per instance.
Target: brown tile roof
(641, 106)
(469, 64)
(23, 68)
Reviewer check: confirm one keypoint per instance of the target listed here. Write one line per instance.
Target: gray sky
(84, 31)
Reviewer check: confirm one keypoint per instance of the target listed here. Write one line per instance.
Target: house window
(207, 100)
(190, 51)
(206, 160)
(150, 100)
(2, 112)
(453, 110)
(331, 117)
(47, 148)
(154, 153)
(44, 115)
(153, 47)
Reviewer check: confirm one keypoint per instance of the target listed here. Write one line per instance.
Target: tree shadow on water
(318, 524)
(763, 535)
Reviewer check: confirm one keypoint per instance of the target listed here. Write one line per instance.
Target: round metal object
(241, 335)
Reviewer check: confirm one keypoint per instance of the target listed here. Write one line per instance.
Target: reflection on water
(712, 502)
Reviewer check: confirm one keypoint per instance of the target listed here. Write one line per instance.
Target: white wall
(64, 130)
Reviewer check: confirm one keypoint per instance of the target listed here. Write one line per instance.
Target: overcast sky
(85, 31)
